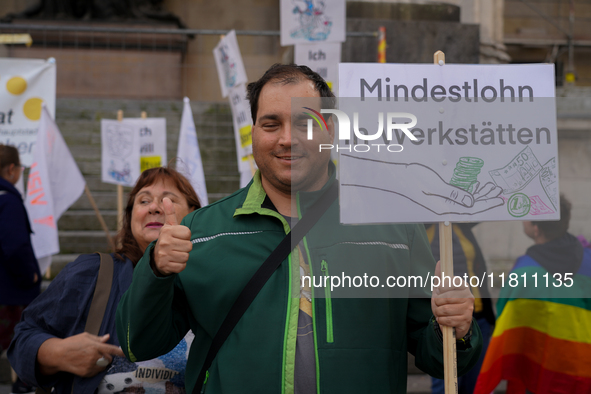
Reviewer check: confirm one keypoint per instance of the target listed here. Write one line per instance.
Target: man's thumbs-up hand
(174, 244)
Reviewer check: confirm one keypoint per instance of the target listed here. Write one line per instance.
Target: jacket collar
(306, 199)
(255, 201)
(7, 186)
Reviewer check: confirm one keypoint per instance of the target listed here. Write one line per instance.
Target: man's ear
(10, 169)
(331, 127)
(536, 229)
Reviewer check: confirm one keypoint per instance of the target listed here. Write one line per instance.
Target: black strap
(258, 280)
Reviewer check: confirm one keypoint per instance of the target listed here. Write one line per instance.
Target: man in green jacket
(293, 338)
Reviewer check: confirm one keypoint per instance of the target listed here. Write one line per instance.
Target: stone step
(220, 183)
(76, 242)
(86, 220)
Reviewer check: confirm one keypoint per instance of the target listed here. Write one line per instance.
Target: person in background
(541, 343)
(468, 259)
(20, 279)
(50, 348)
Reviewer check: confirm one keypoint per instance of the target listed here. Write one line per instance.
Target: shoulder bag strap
(263, 274)
(100, 298)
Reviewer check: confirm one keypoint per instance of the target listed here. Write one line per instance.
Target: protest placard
(306, 21)
(428, 143)
(323, 58)
(228, 61)
(131, 146)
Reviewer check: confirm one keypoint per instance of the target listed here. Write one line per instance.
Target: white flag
(55, 183)
(189, 156)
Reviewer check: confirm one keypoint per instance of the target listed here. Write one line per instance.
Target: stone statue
(97, 10)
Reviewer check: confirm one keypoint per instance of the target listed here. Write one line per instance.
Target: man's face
(288, 161)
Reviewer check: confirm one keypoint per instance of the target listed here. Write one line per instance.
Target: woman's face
(147, 216)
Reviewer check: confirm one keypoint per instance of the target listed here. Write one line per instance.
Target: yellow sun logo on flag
(32, 108)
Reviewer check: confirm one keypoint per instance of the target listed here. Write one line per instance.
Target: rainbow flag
(542, 339)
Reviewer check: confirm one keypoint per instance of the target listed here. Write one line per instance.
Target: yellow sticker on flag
(245, 136)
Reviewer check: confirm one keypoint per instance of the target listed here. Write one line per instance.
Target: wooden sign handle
(450, 360)
(119, 187)
(450, 367)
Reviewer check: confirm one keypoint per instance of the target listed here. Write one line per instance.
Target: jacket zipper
(205, 382)
(328, 301)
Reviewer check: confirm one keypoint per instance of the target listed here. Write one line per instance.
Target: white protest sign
(322, 58)
(242, 127)
(152, 140)
(26, 85)
(120, 152)
(228, 61)
(483, 146)
(130, 147)
(306, 21)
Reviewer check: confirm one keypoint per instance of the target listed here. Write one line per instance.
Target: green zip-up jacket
(360, 344)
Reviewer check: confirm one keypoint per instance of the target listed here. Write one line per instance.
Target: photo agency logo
(391, 126)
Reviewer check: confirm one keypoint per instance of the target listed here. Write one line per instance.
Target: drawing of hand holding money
(423, 186)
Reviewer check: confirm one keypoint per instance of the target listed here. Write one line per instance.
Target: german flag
(542, 339)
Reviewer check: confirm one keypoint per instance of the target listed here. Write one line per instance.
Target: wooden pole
(450, 360)
(450, 367)
(100, 218)
(119, 188)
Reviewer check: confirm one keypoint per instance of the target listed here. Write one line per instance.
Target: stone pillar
(488, 14)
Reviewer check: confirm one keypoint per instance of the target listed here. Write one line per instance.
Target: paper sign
(480, 134)
(308, 21)
(130, 147)
(120, 152)
(228, 60)
(25, 84)
(324, 58)
(152, 140)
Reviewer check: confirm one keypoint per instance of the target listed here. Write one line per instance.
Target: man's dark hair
(285, 74)
(553, 229)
